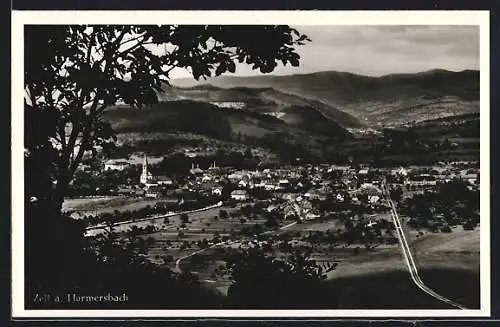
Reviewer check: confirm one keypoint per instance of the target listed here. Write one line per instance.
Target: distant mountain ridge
(386, 100)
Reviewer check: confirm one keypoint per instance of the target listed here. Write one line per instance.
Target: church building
(146, 176)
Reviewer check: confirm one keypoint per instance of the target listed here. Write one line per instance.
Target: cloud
(380, 50)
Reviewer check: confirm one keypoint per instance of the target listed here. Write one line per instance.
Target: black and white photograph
(301, 165)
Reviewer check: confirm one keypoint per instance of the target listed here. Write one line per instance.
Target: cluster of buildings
(422, 178)
(292, 190)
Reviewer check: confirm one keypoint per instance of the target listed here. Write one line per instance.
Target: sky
(381, 50)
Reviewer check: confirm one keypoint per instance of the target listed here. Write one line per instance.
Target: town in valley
(253, 167)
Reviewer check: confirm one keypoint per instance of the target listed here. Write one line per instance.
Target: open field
(447, 262)
(172, 222)
(106, 204)
(456, 250)
(315, 225)
(369, 262)
(457, 241)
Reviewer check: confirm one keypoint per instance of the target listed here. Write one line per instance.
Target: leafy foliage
(73, 73)
(260, 281)
(101, 265)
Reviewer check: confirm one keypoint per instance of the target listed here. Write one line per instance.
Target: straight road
(408, 256)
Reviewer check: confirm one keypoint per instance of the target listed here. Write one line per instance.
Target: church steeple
(145, 173)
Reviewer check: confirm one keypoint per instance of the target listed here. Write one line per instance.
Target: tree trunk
(60, 192)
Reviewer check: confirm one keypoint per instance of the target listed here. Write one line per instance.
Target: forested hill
(385, 100)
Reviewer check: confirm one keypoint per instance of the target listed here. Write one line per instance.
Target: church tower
(145, 176)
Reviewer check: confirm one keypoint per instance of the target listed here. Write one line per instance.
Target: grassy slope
(100, 205)
(191, 117)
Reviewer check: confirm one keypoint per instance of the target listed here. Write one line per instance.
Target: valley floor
(372, 279)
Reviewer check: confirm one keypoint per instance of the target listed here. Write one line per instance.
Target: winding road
(412, 268)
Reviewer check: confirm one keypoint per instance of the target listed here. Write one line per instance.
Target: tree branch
(133, 39)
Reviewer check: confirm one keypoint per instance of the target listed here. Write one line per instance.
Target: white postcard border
(21, 18)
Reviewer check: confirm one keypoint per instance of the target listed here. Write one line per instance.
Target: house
(163, 180)
(284, 182)
(371, 223)
(422, 180)
(195, 171)
(239, 195)
(206, 178)
(400, 172)
(363, 172)
(373, 199)
(116, 164)
(470, 176)
(272, 208)
(86, 168)
(235, 177)
(311, 215)
(289, 196)
(76, 215)
(153, 192)
(212, 167)
(313, 194)
(291, 211)
(269, 187)
(217, 191)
